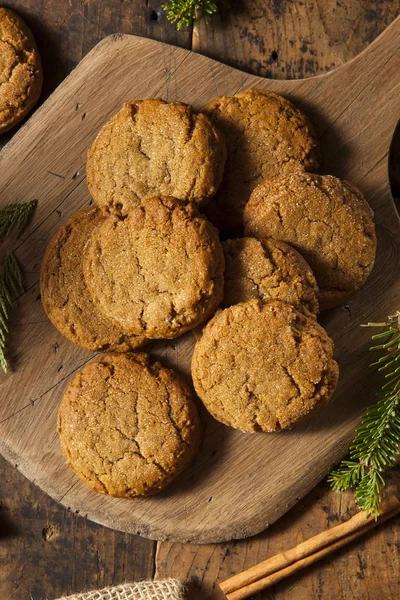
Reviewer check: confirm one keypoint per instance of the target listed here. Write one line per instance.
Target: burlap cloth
(169, 589)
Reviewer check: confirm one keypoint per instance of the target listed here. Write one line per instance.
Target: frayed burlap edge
(168, 589)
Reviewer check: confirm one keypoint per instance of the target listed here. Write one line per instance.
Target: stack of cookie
(146, 264)
(264, 363)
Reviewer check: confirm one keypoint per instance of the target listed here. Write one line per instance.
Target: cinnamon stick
(282, 565)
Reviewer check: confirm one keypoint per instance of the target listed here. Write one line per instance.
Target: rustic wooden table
(45, 550)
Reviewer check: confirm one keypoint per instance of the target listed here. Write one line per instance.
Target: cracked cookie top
(263, 366)
(157, 273)
(127, 425)
(153, 148)
(327, 220)
(271, 270)
(20, 70)
(266, 135)
(65, 297)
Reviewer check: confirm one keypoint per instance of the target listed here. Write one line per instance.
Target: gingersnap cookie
(65, 297)
(128, 426)
(271, 270)
(266, 135)
(150, 148)
(157, 273)
(327, 220)
(21, 75)
(263, 366)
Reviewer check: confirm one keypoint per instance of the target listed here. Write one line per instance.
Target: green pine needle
(15, 217)
(10, 284)
(377, 440)
(183, 12)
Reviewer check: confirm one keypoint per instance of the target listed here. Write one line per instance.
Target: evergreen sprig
(183, 12)
(10, 284)
(377, 440)
(15, 217)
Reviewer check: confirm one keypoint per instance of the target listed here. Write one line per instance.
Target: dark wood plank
(47, 551)
(292, 39)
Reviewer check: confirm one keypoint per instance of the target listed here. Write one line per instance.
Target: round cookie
(263, 366)
(157, 273)
(65, 297)
(327, 220)
(266, 135)
(128, 426)
(21, 75)
(154, 148)
(271, 270)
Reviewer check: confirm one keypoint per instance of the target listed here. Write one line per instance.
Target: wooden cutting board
(239, 483)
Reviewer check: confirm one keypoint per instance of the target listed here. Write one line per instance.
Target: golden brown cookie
(127, 425)
(263, 366)
(271, 270)
(157, 273)
(65, 297)
(327, 220)
(266, 135)
(154, 148)
(21, 73)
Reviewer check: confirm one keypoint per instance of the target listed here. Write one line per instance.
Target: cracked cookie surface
(20, 70)
(157, 273)
(154, 148)
(65, 297)
(266, 135)
(263, 366)
(271, 270)
(127, 425)
(327, 220)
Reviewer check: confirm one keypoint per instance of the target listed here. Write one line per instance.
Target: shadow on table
(7, 527)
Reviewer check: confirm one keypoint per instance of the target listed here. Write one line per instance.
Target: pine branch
(10, 283)
(15, 217)
(183, 12)
(377, 440)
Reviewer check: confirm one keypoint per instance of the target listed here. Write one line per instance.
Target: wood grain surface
(271, 38)
(47, 551)
(365, 570)
(230, 491)
(37, 565)
(292, 39)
